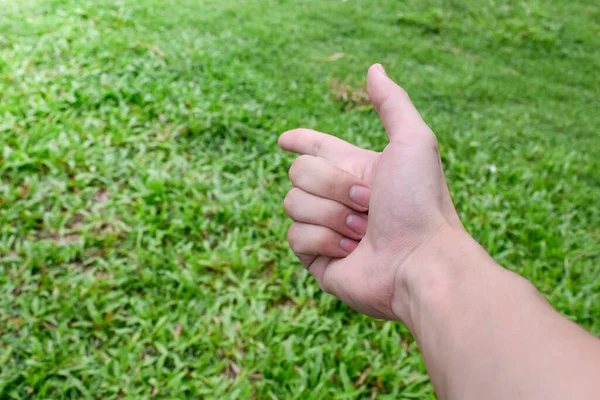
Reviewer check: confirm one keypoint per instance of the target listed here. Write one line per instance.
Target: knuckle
(317, 145)
(382, 102)
(331, 185)
(396, 114)
(325, 285)
(304, 159)
(431, 141)
(290, 201)
(325, 288)
(293, 172)
(334, 182)
(292, 236)
(402, 92)
(335, 216)
(324, 241)
(297, 168)
(389, 100)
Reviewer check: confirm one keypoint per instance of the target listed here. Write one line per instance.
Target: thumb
(398, 114)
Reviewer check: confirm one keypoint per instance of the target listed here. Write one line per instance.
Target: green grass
(142, 238)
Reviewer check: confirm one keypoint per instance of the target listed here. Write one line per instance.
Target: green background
(142, 237)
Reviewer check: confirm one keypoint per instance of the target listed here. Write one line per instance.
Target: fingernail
(360, 195)
(348, 245)
(357, 223)
(381, 69)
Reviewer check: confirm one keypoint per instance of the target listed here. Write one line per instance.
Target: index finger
(318, 144)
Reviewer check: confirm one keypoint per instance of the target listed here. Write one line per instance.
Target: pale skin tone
(380, 232)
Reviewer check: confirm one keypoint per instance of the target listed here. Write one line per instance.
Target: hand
(409, 206)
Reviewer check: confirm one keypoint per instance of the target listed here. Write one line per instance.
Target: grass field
(142, 238)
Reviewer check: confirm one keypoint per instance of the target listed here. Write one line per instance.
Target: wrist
(449, 260)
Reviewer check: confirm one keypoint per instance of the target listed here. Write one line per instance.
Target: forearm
(485, 332)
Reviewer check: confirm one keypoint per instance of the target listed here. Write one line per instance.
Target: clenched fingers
(309, 241)
(321, 178)
(304, 207)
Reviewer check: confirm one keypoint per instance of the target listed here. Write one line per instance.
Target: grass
(142, 238)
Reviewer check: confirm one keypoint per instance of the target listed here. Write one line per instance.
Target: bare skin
(484, 331)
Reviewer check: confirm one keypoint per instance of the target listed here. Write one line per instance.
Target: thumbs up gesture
(366, 223)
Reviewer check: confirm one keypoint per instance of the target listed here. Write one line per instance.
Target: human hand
(409, 206)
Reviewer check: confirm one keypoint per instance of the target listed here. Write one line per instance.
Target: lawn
(142, 237)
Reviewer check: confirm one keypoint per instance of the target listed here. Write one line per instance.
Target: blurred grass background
(142, 238)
